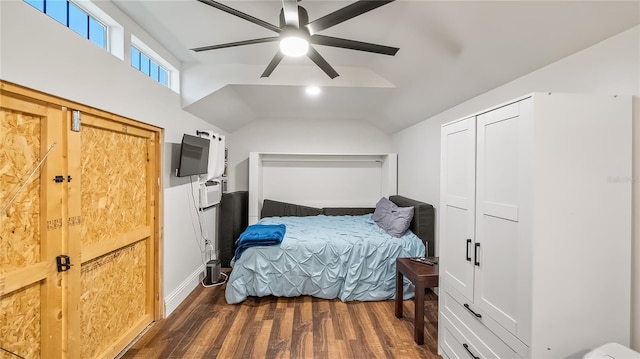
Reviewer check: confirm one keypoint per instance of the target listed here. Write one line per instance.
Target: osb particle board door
(31, 225)
(115, 164)
(101, 211)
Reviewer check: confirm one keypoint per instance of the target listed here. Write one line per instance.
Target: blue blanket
(259, 235)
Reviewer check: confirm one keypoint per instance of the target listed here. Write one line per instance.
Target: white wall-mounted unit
(210, 184)
(320, 179)
(535, 228)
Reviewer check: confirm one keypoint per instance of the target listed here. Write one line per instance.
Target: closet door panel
(457, 205)
(31, 225)
(497, 215)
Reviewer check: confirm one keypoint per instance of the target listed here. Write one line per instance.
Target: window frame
(113, 35)
(172, 74)
(66, 12)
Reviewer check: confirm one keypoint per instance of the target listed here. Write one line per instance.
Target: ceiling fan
(296, 33)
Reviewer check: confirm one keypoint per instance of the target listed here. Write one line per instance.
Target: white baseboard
(173, 300)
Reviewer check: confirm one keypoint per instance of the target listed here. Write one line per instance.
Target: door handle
(466, 346)
(471, 310)
(475, 254)
(468, 243)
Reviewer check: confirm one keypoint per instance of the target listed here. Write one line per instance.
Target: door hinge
(75, 121)
(63, 262)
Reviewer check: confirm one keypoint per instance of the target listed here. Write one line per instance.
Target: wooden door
(114, 164)
(94, 199)
(457, 197)
(31, 225)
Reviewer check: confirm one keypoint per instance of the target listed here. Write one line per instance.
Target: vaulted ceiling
(450, 51)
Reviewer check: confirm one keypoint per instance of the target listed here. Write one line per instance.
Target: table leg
(418, 334)
(399, 293)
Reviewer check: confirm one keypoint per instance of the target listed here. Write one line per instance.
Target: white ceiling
(450, 51)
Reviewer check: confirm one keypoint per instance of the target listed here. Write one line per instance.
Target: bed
(330, 253)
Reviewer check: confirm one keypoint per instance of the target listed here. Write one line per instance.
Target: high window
(151, 63)
(75, 18)
(149, 67)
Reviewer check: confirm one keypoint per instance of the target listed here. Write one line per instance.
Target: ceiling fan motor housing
(303, 18)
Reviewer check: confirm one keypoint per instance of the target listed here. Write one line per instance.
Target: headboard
(422, 225)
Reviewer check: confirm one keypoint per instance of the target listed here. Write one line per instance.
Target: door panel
(113, 183)
(30, 214)
(20, 154)
(457, 268)
(457, 205)
(21, 322)
(115, 240)
(497, 295)
(497, 217)
(113, 298)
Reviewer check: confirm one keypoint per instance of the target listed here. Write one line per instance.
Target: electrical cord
(216, 284)
(198, 209)
(202, 250)
(207, 244)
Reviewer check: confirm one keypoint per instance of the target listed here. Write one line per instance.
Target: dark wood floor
(205, 326)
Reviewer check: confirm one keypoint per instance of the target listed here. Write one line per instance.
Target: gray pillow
(391, 218)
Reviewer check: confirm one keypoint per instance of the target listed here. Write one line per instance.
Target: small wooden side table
(422, 276)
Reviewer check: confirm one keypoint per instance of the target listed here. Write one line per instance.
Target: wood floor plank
(262, 341)
(232, 344)
(205, 326)
(321, 325)
(368, 346)
(302, 330)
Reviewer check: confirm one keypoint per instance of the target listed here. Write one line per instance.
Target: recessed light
(313, 90)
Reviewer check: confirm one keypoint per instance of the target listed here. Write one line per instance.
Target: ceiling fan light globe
(294, 46)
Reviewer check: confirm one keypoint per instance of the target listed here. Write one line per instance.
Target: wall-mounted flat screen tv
(194, 156)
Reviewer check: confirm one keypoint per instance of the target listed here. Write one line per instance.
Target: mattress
(345, 257)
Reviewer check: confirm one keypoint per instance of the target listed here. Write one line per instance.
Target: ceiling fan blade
(344, 14)
(322, 63)
(241, 15)
(290, 10)
(353, 45)
(272, 65)
(237, 43)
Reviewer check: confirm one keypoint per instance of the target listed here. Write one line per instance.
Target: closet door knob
(468, 256)
(475, 254)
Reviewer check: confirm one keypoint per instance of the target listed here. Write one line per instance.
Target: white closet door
(502, 161)
(457, 205)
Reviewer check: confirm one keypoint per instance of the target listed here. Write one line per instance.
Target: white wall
(304, 136)
(39, 53)
(610, 67)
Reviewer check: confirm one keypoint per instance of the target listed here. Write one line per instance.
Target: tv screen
(194, 156)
